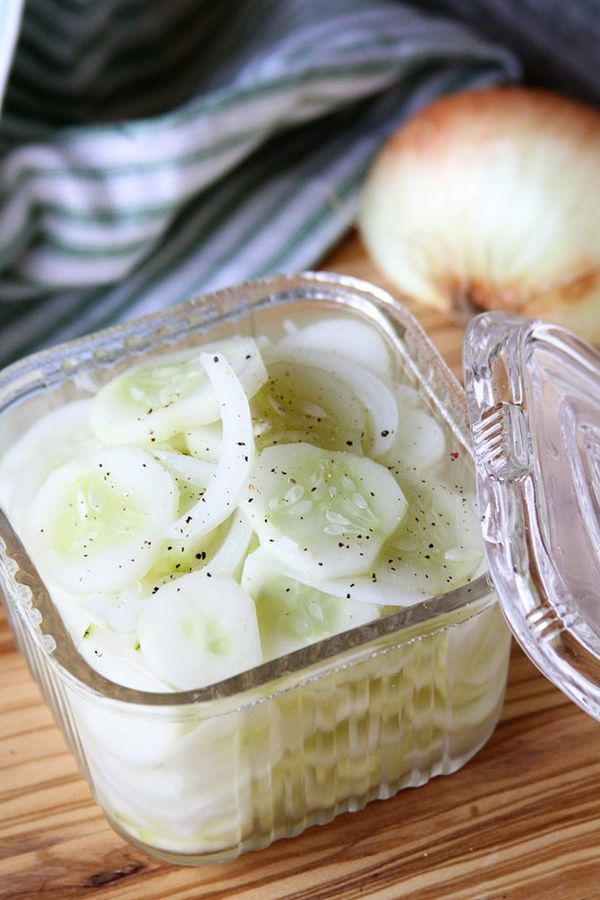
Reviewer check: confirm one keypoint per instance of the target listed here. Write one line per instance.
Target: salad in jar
(212, 511)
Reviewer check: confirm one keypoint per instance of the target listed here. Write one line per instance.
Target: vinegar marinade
(210, 509)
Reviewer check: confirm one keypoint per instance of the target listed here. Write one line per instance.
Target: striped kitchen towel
(150, 150)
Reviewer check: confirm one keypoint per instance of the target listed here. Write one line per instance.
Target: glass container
(207, 774)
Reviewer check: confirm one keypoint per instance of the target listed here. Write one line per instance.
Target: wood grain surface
(520, 820)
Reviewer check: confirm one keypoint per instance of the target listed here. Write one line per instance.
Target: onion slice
(188, 468)
(348, 338)
(231, 552)
(237, 453)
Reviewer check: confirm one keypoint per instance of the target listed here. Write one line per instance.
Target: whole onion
(491, 200)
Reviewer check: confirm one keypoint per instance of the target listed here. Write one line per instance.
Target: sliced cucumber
(324, 513)
(237, 454)
(57, 438)
(291, 614)
(157, 399)
(350, 338)
(95, 524)
(302, 403)
(437, 547)
(371, 590)
(123, 613)
(438, 544)
(199, 629)
(375, 395)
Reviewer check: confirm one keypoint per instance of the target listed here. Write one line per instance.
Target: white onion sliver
(348, 338)
(232, 550)
(237, 452)
(188, 468)
(205, 442)
(253, 373)
(368, 388)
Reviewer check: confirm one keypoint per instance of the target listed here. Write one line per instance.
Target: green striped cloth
(153, 150)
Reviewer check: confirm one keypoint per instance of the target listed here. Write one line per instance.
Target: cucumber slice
(55, 439)
(324, 513)
(157, 399)
(95, 524)
(438, 544)
(291, 614)
(371, 590)
(436, 548)
(199, 629)
(237, 454)
(122, 614)
(375, 395)
(349, 338)
(302, 403)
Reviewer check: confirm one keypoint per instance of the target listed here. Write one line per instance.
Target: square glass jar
(207, 774)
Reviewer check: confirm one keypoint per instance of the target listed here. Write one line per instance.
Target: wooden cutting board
(520, 820)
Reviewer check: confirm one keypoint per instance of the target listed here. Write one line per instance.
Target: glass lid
(534, 402)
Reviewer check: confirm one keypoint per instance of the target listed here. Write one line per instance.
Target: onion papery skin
(491, 200)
